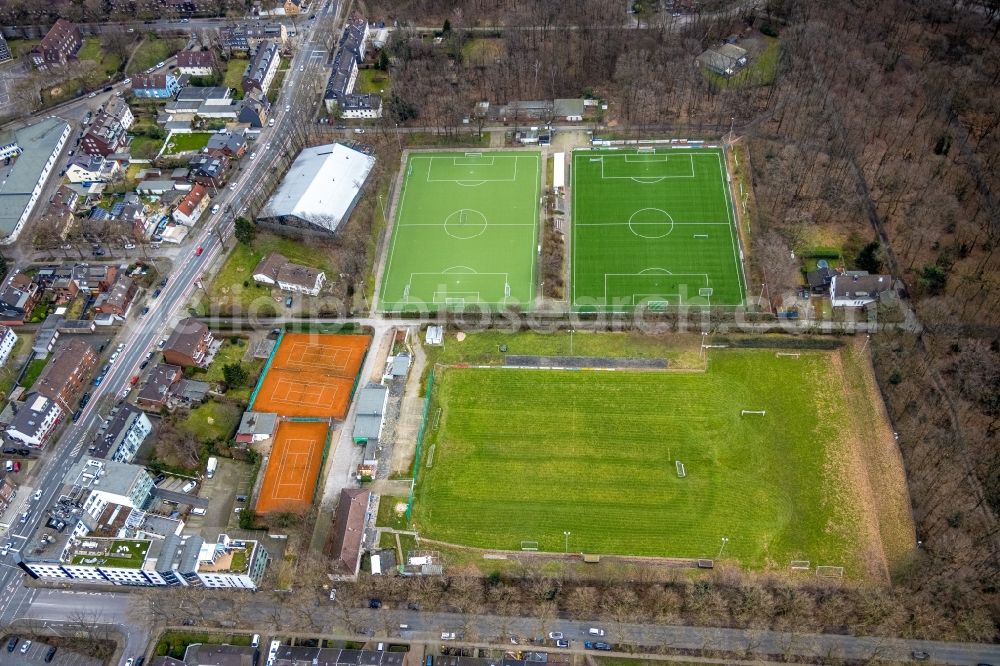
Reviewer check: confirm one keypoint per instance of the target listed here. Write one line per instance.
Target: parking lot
(14, 650)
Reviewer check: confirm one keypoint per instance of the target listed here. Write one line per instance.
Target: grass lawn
(187, 143)
(19, 47)
(277, 82)
(63, 91)
(526, 454)
(174, 643)
(227, 291)
(105, 65)
(34, 369)
(387, 516)
(212, 420)
(144, 147)
(233, 353)
(652, 229)
(151, 51)
(760, 72)
(8, 373)
(483, 51)
(373, 81)
(234, 72)
(465, 232)
(484, 348)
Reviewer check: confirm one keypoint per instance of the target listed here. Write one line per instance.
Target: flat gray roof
(19, 178)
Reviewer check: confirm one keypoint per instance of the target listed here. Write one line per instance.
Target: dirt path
(410, 412)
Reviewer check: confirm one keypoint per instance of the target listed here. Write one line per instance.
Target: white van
(215, 209)
(595, 631)
(255, 641)
(188, 487)
(199, 511)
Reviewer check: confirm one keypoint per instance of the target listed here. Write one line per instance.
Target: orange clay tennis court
(312, 375)
(293, 469)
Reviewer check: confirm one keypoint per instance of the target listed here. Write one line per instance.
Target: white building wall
(38, 189)
(7, 341)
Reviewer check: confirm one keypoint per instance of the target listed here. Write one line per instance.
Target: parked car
(555, 635)
(127, 81)
(25, 647)
(562, 643)
(85, 399)
(447, 635)
(374, 603)
(12, 643)
(76, 415)
(50, 654)
(145, 311)
(157, 292)
(93, 94)
(163, 282)
(253, 155)
(160, 64)
(595, 631)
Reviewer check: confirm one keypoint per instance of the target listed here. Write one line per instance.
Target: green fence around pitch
(420, 444)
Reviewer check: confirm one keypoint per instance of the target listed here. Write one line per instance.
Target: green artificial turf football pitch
(653, 229)
(465, 232)
(525, 455)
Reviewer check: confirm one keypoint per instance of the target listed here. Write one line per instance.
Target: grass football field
(653, 229)
(524, 455)
(465, 233)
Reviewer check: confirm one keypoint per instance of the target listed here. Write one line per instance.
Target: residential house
(18, 298)
(158, 186)
(61, 43)
(58, 215)
(231, 144)
(119, 298)
(155, 393)
(340, 86)
(46, 336)
(256, 427)
(205, 101)
(266, 271)
(819, 280)
(260, 72)
(92, 169)
(118, 109)
(35, 420)
(856, 289)
(191, 207)
(254, 111)
(348, 531)
(105, 136)
(66, 197)
(275, 269)
(125, 433)
(300, 279)
(160, 86)
(293, 7)
(724, 60)
(246, 38)
(210, 171)
(189, 345)
(94, 278)
(196, 63)
(67, 372)
(8, 487)
(7, 341)
(570, 110)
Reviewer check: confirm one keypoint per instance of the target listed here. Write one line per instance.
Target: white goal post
(529, 545)
(753, 412)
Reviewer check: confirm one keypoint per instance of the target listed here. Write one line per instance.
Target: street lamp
(566, 536)
(725, 540)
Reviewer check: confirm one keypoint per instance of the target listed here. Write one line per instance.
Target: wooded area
(880, 126)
